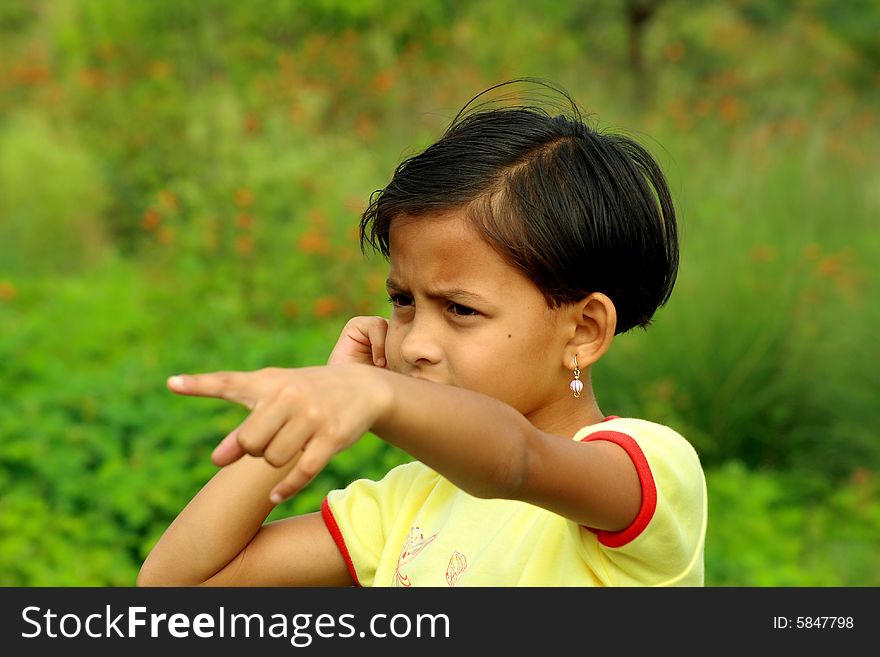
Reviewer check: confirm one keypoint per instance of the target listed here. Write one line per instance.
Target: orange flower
(829, 266)
(314, 46)
(812, 251)
(166, 235)
(383, 82)
(244, 197)
(763, 253)
(151, 219)
(296, 113)
(308, 184)
(108, 51)
(375, 282)
(354, 204)
(326, 306)
(93, 78)
(861, 476)
(286, 65)
(730, 109)
(674, 52)
(664, 389)
(678, 110)
(350, 36)
(838, 267)
(365, 127)
(794, 127)
(209, 239)
(168, 200)
(244, 244)
(727, 78)
(703, 107)
(244, 220)
(314, 242)
(318, 217)
(160, 69)
(7, 291)
(30, 74)
(252, 124)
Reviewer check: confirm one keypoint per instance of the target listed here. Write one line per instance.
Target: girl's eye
(400, 300)
(462, 311)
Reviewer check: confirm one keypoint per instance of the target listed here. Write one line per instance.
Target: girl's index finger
(231, 386)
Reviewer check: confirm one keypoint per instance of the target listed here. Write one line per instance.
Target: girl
(519, 245)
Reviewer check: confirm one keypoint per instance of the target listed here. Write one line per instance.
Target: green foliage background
(180, 185)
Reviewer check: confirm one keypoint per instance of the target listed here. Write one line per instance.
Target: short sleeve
(664, 544)
(360, 517)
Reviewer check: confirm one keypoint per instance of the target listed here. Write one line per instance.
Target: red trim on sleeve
(649, 489)
(335, 532)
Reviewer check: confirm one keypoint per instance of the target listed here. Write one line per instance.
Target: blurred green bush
(52, 198)
(180, 185)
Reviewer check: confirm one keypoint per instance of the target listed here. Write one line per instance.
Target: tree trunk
(638, 14)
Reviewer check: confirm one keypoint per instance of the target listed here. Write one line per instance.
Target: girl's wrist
(384, 389)
(373, 386)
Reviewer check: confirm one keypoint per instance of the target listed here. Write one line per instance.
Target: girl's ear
(595, 319)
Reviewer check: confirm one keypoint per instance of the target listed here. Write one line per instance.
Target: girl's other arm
(219, 538)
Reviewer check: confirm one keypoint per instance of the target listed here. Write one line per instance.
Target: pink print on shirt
(413, 545)
(455, 569)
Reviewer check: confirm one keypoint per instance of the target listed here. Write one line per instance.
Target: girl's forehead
(445, 252)
(445, 243)
(446, 224)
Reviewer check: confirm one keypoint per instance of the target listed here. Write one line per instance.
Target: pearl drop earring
(577, 385)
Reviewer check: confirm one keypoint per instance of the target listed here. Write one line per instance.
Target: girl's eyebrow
(444, 293)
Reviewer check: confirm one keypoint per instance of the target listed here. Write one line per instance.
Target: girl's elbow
(511, 472)
(152, 576)
(148, 577)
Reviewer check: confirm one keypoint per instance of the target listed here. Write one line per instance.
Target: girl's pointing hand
(307, 414)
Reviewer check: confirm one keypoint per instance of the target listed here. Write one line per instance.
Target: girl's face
(462, 316)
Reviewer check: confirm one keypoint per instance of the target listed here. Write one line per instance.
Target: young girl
(519, 245)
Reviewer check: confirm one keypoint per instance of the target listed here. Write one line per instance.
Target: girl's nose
(420, 345)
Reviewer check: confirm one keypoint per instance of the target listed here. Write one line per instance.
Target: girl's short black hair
(577, 211)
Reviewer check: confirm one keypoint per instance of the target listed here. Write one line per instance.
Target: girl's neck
(566, 415)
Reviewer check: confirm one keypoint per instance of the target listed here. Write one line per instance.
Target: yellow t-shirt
(415, 528)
